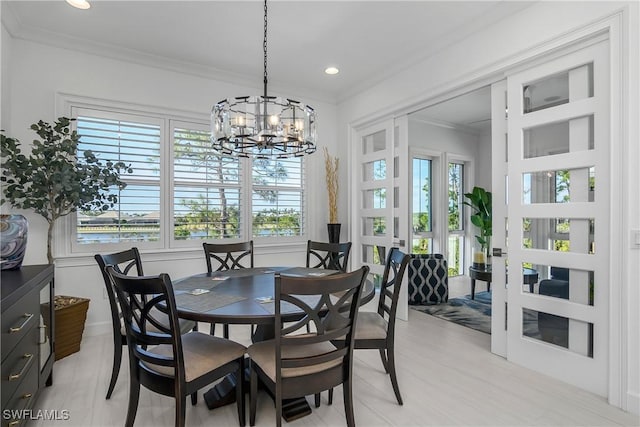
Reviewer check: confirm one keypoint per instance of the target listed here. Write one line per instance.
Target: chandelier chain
(264, 48)
(264, 126)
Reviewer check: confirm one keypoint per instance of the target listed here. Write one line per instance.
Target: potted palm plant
(480, 202)
(54, 180)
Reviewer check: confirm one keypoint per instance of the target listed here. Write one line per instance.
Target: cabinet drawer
(17, 320)
(22, 399)
(19, 362)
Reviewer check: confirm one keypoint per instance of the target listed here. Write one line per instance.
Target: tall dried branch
(331, 165)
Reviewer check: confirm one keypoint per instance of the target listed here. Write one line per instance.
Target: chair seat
(202, 354)
(370, 326)
(264, 355)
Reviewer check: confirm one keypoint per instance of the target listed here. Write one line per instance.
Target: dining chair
(332, 256)
(227, 256)
(161, 358)
(376, 330)
(126, 262)
(297, 364)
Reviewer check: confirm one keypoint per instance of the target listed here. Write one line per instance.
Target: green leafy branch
(52, 180)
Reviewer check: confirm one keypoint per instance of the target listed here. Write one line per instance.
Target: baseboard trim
(633, 403)
(96, 329)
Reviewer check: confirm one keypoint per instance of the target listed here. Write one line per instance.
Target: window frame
(431, 235)
(66, 244)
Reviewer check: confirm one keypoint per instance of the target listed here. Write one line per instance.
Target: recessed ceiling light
(331, 70)
(80, 4)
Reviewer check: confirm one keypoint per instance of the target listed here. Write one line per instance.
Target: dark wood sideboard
(27, 338)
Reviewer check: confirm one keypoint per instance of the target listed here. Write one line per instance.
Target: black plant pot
(334, 232)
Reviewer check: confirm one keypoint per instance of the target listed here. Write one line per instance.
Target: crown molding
(18, 30)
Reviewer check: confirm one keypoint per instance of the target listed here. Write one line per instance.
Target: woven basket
(71, 313)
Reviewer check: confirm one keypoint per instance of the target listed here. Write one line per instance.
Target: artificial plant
(53, 180)
(480, 202)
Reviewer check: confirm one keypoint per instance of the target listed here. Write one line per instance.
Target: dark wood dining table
(244, 296)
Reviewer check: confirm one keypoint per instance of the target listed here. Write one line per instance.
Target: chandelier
(263, 126)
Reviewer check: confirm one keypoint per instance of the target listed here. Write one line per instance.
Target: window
(422, 217)
(206, 188)
(135, 141)
(181, 192)
(277, 197)
(455, 219)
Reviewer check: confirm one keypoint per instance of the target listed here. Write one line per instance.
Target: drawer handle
(46, 337)
(27, 396)
(29, 358)
(27, 318)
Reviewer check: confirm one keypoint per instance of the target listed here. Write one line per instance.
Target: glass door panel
(558, 325)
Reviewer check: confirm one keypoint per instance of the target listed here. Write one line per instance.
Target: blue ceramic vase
(13, 241)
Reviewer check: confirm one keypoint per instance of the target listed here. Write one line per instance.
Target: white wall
(5, 79)
(505, 44)
(442, 138)
(39, 72)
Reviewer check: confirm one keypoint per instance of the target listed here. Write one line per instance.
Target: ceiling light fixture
(79, 4)
(263, 126)
(331, 70)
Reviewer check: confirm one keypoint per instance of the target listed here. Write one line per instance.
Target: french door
(379, 208)
(556, 199)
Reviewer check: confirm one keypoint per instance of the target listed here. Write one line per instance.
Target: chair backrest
(331, 256)
(141, 299)
(323, 300)
(394, 270)
(126, 262)
(228, 256)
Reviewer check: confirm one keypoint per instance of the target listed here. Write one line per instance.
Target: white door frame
(613, 26)
(395, 155)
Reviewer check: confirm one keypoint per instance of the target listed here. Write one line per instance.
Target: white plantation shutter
(278, 197)
(181, 192)
(134, 140)
(207, 192)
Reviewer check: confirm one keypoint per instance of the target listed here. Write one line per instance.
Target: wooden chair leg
(194, 398)
(278, 402)
(348, 403)
(385, 363)
(117, 359)
(392, 374)
(317, 399)
(225, 330)
(212, 330)
(134, 397)
(253, 395)
(240, 392)
(330, 400)
(181, 410)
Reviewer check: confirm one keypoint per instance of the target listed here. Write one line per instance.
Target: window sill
(177, 254)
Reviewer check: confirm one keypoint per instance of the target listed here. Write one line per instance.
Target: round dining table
(244, 296)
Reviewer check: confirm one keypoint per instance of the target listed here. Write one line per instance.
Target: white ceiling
(367, 40)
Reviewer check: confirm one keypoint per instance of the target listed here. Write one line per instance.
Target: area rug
(475, 313)
(472, 313)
